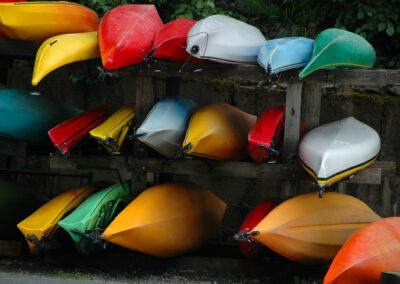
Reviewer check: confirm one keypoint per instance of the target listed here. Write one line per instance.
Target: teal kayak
(87, 222)
(16, 202)
(339, 49)
(26, 116)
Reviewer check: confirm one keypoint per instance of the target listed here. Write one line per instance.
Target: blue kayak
(283, 54)
(26, 116)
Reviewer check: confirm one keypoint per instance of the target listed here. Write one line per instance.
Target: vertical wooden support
(386, 197)
(292, 121)
(342, 187)
(311, 105)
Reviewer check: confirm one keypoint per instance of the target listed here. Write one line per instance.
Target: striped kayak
(164, 127)
(168, 220)
(40, 226)
(64, 49)
(224, 39)
(308, 229)
(338, 49)
(218, 131)
(126, 34)
(112, 132)
(367, 253)
(40, 20)
(338, 149)
(86, 223)
(68, 134)
(26, 116)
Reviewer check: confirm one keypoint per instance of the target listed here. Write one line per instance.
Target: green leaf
(391, 63)
(369, 13)
(398, 29)
(360, 14)
(381, 27)
(363, 34)
(199, 5)
(390, 29)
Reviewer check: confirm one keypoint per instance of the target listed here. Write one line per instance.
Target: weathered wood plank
(387, 198)
(10, 248)
(390, 277)
(311, 105)
(144, 97)
(17, 48)
(13, 148)
(367, 176)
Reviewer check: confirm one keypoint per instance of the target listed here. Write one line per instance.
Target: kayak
(2, 34)
(338, 149)
(16, 203)
(112, 132)
(252, 248)
(27, 116)
(366, 254)
(167, 220)
(86, 223)
(40, 20)
(339, 49)
(66, 135)
(266, 135)
(309, 229)
(170, 41)
(225, 40)
(218, 131)
(282, 54)
(126, 34)
(40, 226)
(164, 127)
(64, 49)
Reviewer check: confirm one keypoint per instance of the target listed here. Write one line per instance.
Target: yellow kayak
(218, 131)
(42, 224)
(63, 49)
(167, 220)
(309, 229)
(111, 133)
(40, 20)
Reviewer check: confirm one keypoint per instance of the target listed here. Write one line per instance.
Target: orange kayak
(369, 252)
(309, 229)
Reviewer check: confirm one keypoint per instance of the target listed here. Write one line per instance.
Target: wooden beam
(390, 277)
(17, 48)
(311, 105)
(10, 248)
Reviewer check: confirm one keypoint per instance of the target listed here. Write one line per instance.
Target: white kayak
(337, 150)
(224, 39)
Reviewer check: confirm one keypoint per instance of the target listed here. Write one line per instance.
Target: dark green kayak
(16, 203)
(86, 223)
(339, 49)
(26, 116)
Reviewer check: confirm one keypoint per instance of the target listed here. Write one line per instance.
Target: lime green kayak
(86, 223)
(339, 49)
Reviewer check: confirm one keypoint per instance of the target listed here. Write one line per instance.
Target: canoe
(86, 223)
(218, 131)
(366, 254)
(2, 34)
(126, 34)
(338, 149)
(112, 132)
(309, 229)
(282, 54)
(251, 248)
(339, 49)
(41, 225)
(26, 116)
(165, 126)
(66, 135)
(167, 220)
(16, 203)
(40, 20)
(226, 40)
(170, 41)
(64, 49)
(266, 135)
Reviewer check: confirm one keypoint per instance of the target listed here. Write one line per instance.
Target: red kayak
(170, 41)
(69, 133)
(367, 253)
(2, 34)
(126, 34)
(253, 250)
(264, 136)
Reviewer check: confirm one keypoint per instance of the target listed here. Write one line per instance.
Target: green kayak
(87, 222)
(16, 202)
(339, 49)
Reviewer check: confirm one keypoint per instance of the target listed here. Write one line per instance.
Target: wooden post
(342, 187)
(311, 105)
(386, 197)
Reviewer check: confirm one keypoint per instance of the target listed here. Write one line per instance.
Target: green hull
(339, 49)
(16, 203)
(86, 223)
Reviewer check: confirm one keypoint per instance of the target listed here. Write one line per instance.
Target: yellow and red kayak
(40, 20)
(218, 131)
(309, 229)
(42, 224)
(64, 49)
(167, 220)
